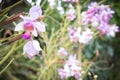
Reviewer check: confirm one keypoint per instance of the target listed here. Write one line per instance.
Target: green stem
(79, 52)
(86, 71)
(9, 53)
(53, 19)
(43, 3)
(47, 67)
(79, 14)
(11, 76)
(102, 1)
(6, 66)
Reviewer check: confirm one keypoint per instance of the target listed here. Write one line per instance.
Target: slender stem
(53, 19)
(86, 71)
(79, 52)
(78, 14)
(102, 1)
(11, 19)
(11, 76)
(43, 3)
(47, 67)
(12, 40)
(6, 66)
(9, 53)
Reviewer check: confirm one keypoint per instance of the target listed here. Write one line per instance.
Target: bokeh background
(19, 70)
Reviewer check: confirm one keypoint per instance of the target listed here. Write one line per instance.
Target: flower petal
(34, 32)
(27, 19)
(29, 49)
(19, 26)
(40, 26)
(35, 10)
(34, 15)
(36, 45)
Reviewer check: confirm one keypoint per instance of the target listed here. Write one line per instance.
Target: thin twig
(11, 19)
(12, 40)
(8, 54)
(6, 66)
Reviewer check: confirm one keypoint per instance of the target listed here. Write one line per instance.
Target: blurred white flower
(52, 3)
(75, 71)
(71, 68)
(60, 8)
(83, 37)
(64, 73)
(112, 30)
(73, 34)
(86, 36)
(71, 13)
(0, 1)
(72, 60)
(62, 52)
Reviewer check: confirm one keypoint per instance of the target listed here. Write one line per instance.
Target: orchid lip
(26, 36)
(28, 26)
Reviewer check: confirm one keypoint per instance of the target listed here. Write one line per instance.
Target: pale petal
(36, 45)
(40, 26)
(0, 1)
(35, 9)
(26, 18)
(34, 32)
(29, 49)
(111, 33)
(34, 15)
(19, 26)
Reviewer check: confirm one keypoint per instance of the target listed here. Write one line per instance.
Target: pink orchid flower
(31, 24)
(71, 13)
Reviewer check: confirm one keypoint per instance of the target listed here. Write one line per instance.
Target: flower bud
(26, 36)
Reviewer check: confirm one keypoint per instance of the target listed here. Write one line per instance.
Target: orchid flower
(71, 13)
(30, 24)
(86, 36)
(64, 73)
(72, 60)
(72, 34)
(52, 3)
(112, 30)
(99, 16)
(83, 37)
(71, 68)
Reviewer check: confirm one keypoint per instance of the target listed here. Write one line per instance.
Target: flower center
(28, 27)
